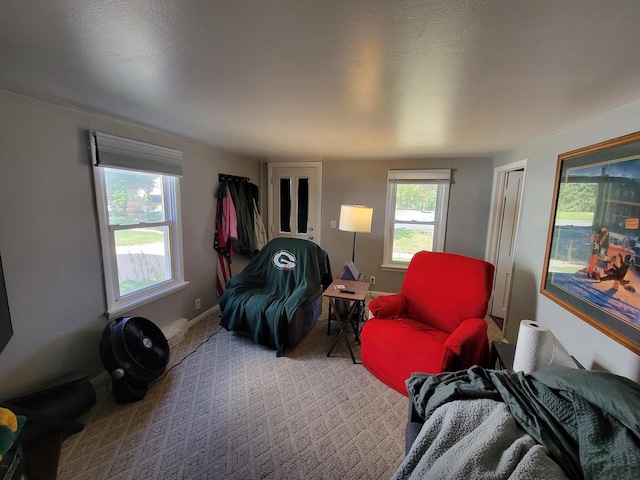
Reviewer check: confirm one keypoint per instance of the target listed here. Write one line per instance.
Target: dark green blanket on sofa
(588, 421)
(262, 299)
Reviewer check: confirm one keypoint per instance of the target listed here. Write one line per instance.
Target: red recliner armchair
(435, 324)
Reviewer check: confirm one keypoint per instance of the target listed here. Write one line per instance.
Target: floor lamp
(356, 219)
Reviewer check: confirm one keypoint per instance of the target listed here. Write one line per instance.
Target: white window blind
(118, 152)
(419, 176)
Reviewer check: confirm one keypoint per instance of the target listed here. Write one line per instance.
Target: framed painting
(592, 260)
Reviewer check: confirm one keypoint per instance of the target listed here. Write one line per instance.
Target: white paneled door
(294, 200)
(507, 243)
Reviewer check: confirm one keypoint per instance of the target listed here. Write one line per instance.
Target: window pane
(417, 215)
(303, 204)
(133, 197)
(416, 202)
(285, 205)
(143, 258)
(409, 239)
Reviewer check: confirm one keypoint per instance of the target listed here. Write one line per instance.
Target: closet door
(512, 195)
(294, 200)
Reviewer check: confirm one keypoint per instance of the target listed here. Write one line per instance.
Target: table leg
(343, 324)
(360, 313)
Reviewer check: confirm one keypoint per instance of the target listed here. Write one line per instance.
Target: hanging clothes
(261, 232)
(226, 236)
(242, 195)
(239, 226)
(223, 273)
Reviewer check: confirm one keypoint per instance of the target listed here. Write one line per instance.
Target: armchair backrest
(286, 264)
(444, 289)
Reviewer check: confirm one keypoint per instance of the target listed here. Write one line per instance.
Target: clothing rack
(223, 177)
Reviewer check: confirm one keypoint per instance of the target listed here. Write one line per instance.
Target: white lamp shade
(355, 218)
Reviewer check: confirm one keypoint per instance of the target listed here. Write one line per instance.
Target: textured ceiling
(348, 78)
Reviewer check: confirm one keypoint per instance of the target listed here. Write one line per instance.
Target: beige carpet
(494, 332)
(233, 410)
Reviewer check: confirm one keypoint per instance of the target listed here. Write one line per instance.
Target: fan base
(124, 391)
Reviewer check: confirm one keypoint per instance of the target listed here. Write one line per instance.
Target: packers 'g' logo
(284, 260)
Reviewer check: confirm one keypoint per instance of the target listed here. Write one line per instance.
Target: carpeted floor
(233, 410)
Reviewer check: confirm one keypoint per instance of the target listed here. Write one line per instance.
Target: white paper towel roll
(537, 347)
(560, 355)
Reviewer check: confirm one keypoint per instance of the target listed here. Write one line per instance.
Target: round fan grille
(137, 346)
(145, 343)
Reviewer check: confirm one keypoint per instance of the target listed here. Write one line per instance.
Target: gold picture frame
(592, 259)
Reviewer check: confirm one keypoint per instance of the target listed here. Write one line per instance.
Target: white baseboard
(215, 310)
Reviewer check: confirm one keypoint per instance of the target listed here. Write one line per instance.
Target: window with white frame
(416, 216)
(138, 203)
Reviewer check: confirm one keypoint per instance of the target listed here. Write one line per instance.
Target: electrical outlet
(198, 304)
(372, 280)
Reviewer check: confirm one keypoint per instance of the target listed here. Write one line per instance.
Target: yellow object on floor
(10, 426)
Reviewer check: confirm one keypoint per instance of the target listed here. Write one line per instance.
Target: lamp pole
(353, 252)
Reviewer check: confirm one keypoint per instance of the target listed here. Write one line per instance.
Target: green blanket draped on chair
(262, 299)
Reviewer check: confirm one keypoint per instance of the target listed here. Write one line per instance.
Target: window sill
(124, 306)
(394, 267)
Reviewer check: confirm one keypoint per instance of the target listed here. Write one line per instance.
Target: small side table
(333, 294)
(502, 355)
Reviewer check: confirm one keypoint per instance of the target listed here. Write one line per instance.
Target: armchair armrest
(388, 306)
(308, 304)
(467, 345)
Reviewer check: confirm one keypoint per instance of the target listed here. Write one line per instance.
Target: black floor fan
(135, 352)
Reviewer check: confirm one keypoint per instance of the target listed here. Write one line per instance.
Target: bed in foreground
(554, 423)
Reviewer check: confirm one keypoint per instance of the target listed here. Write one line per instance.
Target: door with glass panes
(294, 200)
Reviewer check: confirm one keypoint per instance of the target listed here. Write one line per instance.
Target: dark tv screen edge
(6, 330)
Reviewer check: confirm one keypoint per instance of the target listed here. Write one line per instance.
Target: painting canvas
(592, 264)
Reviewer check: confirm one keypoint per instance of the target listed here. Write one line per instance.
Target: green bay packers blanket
(261, 300)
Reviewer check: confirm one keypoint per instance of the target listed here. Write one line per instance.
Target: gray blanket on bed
(467, 439)
(588, 421)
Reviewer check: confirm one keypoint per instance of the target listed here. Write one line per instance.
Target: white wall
(49, 236)
(365, 182)
(592, 348)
